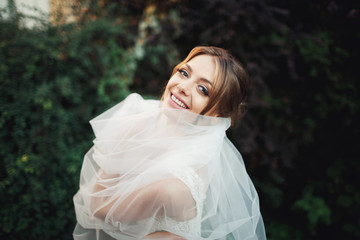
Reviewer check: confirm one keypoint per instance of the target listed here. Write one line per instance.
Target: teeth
(178, 102)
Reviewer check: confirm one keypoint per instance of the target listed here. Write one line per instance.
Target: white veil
(159, 169)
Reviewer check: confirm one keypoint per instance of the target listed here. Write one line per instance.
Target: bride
(165, 169)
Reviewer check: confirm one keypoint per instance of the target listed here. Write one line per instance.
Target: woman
(165, 169)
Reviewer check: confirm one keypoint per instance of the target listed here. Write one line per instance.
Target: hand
(163, 235)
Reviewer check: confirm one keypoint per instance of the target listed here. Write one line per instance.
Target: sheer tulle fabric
(158, 169)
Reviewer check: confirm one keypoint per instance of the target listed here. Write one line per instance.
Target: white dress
(192, 226)
(144, 149)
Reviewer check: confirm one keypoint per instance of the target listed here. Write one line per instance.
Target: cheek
(166, 89)
(200, 103)
(171, 83)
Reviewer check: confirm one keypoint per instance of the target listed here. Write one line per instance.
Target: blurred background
(64, 62)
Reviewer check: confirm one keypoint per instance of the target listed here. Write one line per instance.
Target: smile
(178, 102)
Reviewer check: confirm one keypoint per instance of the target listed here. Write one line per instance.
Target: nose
(184, 88)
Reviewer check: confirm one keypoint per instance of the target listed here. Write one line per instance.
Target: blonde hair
(230, 85)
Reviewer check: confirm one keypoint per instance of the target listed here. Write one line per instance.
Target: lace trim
(195, 185)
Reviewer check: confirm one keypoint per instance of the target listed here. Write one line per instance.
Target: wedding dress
(160, 169)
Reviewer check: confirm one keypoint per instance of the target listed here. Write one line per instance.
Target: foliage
(53, 81)
(299, 137)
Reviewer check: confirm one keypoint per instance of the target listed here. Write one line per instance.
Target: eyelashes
(183, 72)
(202, 88)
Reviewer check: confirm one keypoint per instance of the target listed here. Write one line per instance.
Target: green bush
(53, 81)
(299, 137)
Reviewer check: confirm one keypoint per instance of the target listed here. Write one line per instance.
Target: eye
(183, 72)
(204, 90)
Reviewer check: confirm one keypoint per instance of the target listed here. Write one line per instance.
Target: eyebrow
(202, 79)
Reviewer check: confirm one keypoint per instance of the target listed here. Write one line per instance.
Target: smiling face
(209, 81)
(191, 85)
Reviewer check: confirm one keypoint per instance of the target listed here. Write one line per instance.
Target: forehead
(203, 66)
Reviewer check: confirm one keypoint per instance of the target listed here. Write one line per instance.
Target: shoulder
(168, 189)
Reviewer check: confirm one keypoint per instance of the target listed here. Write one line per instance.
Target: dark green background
(299, 137)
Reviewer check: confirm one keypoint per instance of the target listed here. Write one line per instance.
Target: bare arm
(170, 196)
(163, 235)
